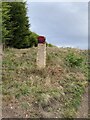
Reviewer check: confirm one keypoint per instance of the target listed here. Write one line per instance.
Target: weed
(17, 95)
(24, 90)
(73, 60)
(24, 105)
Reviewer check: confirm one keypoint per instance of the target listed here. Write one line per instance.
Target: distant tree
(6, 31)
(0, 22)
(15, 26)
(49, 45)
(19, 25)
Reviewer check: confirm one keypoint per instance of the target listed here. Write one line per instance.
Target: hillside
(53, 92)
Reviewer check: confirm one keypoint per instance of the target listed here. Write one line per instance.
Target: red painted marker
(41, 39)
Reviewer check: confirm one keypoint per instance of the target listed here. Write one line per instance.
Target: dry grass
(52, 92)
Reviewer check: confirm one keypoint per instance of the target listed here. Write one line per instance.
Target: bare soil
(9, 111)
(83, 109)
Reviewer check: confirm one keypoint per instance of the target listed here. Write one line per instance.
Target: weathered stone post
(41, 53)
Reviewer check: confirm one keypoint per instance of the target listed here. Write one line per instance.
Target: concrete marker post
(41, 53)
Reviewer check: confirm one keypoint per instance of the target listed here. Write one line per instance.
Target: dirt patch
(83, 109)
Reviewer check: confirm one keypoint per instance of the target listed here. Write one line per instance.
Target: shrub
(33, 39)
(49, 45)
(73, 60)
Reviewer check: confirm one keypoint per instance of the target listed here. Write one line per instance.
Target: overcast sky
(63, 24)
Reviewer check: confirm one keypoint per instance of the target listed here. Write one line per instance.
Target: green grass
(57, 88)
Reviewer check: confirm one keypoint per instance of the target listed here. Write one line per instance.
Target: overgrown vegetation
(73, 60)
(51, 92)
(15, 26)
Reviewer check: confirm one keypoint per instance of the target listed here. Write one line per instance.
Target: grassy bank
(52, 92)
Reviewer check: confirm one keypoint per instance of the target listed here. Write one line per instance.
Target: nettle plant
(73, 60)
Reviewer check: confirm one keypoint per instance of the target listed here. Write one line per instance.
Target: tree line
(15, 26)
